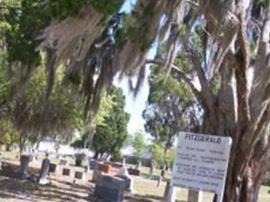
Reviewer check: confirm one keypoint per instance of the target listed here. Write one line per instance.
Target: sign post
(201, 163)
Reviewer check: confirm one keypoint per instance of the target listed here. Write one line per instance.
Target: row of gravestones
(66, 171)
(46, 167)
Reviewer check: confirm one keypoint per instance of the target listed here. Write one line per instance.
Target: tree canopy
(222, 41)
(110, 137)
(170, 108)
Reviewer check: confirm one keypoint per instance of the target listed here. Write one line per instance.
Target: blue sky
(135, 106)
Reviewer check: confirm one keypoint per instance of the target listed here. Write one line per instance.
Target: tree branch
(241, 74)
(261, 70)
(184, 76)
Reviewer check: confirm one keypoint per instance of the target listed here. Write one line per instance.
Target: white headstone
(201, 162)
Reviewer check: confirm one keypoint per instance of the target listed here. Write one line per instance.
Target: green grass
(146, 187)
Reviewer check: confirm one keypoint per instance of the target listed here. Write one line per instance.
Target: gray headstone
(93, 164)
(66, 171)
(63, 162)
(53, 168)
(109, 188)
(45, 167)
(79, 175)
(23, 170)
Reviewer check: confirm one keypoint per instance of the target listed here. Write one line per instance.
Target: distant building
(131, 158)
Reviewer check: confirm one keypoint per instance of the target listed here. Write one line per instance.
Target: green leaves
(111, 135)
(106, 7)
(161, 158)
(139, 143)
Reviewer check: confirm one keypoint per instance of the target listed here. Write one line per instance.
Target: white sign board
(201, 162)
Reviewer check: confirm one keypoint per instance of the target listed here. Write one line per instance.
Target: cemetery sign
(201, 162)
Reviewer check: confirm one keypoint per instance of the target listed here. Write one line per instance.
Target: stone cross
(23, 171)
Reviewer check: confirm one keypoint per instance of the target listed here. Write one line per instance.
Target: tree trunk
(245, 186)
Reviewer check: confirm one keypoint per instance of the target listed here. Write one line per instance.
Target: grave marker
(53, 168)
(44, 171)
(201, 163)
(79, 175)
(109, 188)
(23, 171)
(66, 171)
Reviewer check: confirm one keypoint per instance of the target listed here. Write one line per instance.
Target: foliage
(89, 125)
(170, 105)
(21, 116)
(139, 143)
(8, 134)
(160, 158)
(110, 136)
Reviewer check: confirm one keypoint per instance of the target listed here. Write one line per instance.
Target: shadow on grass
(59, 190)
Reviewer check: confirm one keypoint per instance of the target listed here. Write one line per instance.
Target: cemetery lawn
(63, 189)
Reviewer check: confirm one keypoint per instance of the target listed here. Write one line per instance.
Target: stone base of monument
(53, 168)
(79, 175)
(66, 171)
(109, 188)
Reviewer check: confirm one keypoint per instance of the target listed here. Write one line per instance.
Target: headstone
(79, 158)
(44, 171)
(23, 170)
(109, 188)
(53, 168)
(139, 165)
(133, 172)
(66, 171)
(79, 175)
(63, 162)
(104, 167)
(93, 164)
(95, 175)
